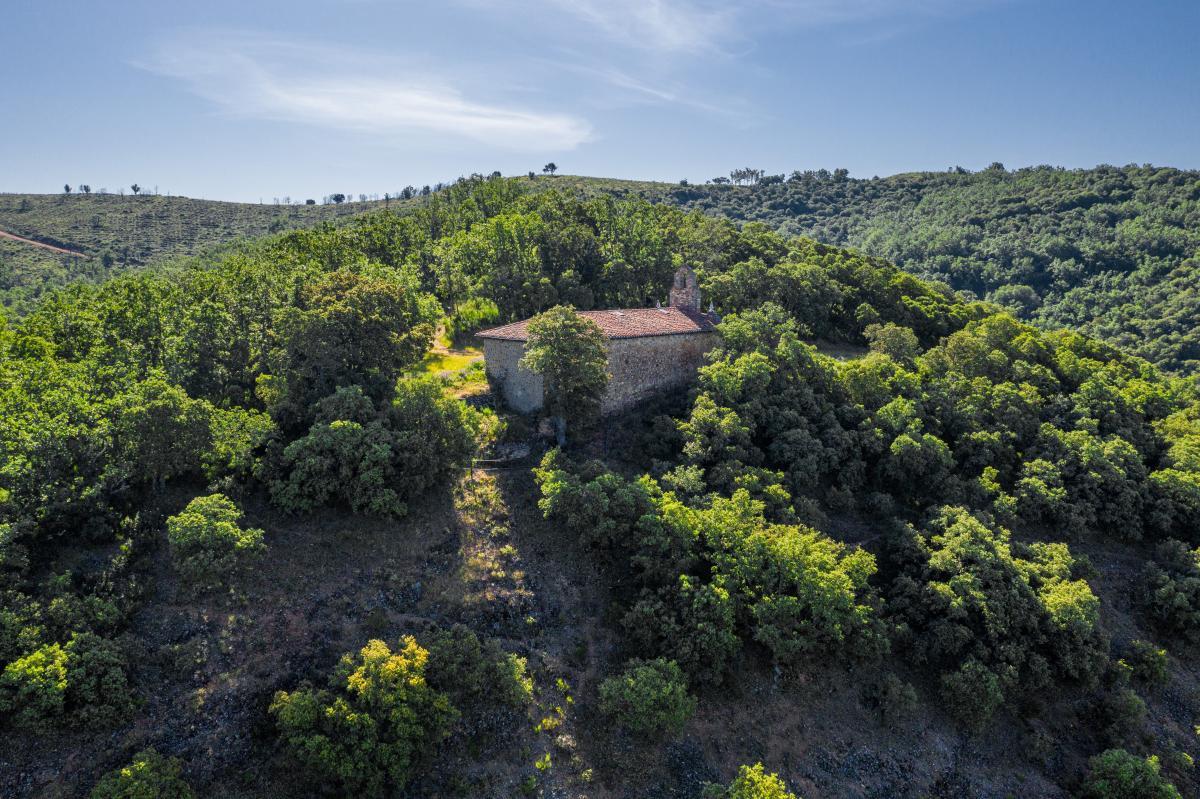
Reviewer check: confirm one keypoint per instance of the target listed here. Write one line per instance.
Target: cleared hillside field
(116, 233)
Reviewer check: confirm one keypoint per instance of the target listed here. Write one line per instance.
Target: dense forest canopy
(980, 452)
(1111, 251)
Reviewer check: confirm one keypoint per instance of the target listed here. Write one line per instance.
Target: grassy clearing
(443, 362)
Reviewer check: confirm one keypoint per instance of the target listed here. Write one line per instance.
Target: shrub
(84, 682)
(207, 543)
(375, 462)
(367, 732)
(998, 618)
(1148, 663)
(649, 697)
(1117, 774)
(1172, 589)
(692, 622)
(33, 689)
(973, 692)
(470, 670)
(1123, 713)
(148, 776)
(752, 782)
(98, 692)
(716, 575)
(893, 697)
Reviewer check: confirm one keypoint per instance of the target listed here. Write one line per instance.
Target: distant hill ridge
(1111, 251)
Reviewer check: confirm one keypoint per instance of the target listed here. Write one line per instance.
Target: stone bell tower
(685, 291)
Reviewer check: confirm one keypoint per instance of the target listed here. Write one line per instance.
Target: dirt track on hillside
(50, 247)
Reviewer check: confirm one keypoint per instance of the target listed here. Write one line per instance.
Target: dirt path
(50, 247)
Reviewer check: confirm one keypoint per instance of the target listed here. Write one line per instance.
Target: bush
(1117, 774)
(1148, 663)
(714, 576)
(469, 670)
(998, 618)
(207, 544)
(650, 697)
(83, 682)
(366, 734)
(973, 693)
(33, 689)
(752, 782)
(375, 462)
(1172, 589)
(1123, 713)
(98, 692)
(149, 776)
(893, 697)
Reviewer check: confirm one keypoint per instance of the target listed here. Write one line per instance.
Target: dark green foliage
(894, 698)
(119, 233)
(649, 697)
(367, 732)
(208, 545)
(1109, 250)
(1117, 774)
(148, 776)
(474, 672)
(350, 329)
(1122, 713)
(375, 462)
(1172, 589)
(999, 619)
(752, 782)
(713, 577)
(1148, 663)
(83, 682)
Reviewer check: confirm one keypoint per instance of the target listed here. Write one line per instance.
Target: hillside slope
(119, 232)
(961, 563)
(1111, 251)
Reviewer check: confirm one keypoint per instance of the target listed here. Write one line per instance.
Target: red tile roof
(626, 323)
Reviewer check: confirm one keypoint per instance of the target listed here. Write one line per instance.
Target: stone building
(650, 350)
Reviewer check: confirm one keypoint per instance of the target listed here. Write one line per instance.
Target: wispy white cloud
(295, 81)
(668, 26)
(705, 26)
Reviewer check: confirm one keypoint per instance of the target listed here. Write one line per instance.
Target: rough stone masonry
(650, 350)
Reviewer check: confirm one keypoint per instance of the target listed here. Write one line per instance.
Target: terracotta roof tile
(626, 323)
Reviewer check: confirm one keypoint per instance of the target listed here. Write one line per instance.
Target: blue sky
(260, 99)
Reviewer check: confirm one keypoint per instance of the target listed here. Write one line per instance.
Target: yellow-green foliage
(33, 689)
(208, 545)
(83, 683)
(1117, 774)
(148, 776)
(752, 782)
(711, 576)
(366, 733)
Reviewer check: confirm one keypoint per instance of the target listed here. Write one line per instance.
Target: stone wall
(520, 388)
(642, 367)
(638, 367)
